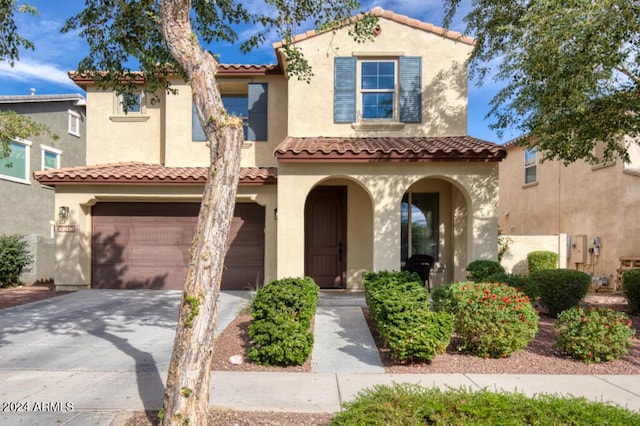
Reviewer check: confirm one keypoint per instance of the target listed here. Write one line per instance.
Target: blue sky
(45, 68)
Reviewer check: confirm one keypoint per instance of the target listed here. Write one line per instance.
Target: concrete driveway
(83, 348)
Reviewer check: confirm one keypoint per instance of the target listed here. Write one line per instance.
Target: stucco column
(386, 223)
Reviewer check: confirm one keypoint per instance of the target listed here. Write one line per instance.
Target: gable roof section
(401, 19)
(371, 149)
(138, 173)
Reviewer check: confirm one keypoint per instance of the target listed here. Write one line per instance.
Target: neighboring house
(597, 207)
(358, 170)
(27, 208)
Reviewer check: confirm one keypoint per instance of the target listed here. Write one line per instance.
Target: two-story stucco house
(365, 166)
(596, 206)
(27, 208)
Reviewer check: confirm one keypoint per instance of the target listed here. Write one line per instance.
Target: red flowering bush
(493, 320)
(593, 334)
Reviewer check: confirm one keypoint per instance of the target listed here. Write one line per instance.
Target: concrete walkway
(93, 357)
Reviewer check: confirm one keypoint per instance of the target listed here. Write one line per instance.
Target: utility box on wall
(579, 249)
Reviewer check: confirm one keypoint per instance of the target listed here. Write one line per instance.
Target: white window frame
(395, 91)
(44, 149)
(27, 160)
(74, 123)
(531, 161)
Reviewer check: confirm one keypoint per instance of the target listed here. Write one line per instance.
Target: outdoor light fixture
(63, 214)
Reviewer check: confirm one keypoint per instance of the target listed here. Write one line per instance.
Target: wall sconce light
(275, 214)
(63, 214)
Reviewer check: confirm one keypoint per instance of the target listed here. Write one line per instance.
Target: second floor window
(132, 103)
(530, 165)
(74, 123)
(50, 158)
(238, 106)
(16, 167)
(378, 89)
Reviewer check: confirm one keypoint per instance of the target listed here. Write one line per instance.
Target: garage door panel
(146, 245)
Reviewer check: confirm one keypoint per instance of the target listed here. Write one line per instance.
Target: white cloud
(27, 70)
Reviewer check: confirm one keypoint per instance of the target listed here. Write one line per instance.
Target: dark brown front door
(325, 236)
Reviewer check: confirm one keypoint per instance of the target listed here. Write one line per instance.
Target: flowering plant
(493, 320)
(593, 334)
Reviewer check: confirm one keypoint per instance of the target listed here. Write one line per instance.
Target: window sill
(128, 118)
(377, 125)
(15, 179)
(529, 185)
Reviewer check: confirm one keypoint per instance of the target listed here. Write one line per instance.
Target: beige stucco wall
(444, 80)
(162, 133)
(73, 249)
(577, 199)
(468, 228)
(515, 258)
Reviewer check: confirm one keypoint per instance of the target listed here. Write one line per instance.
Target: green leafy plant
(442, 298)
(540, 260)
(520, 282)
(479, 270)
(494, 320)
(560, 289)
(282, 312)
(409, 404)
(14, 259)
(593, 334)
(399, 306)
(631, 288)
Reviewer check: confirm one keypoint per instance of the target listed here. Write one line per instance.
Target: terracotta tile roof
(137, 173)
(402, 19)
(451, 148)
(223, 70)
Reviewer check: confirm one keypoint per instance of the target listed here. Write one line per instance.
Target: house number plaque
(66, 228)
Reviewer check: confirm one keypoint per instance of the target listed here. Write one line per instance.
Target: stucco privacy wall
(515, 259)
(473, 226)
(73, 250)
(444, 81)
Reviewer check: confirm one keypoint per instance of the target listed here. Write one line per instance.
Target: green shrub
(631, 288)
(479, 270)
(281, 317)
(399, 305)
(593, 334)
(441, 298)
(14, 258)
(494, 320)
(520, 282)
(561, 289)
(541, 260)
(407, 404)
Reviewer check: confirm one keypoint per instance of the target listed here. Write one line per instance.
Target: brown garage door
(146, 245)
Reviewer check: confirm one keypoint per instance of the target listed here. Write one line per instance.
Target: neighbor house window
(16, 166)
(250, 107)
(419, 225)
(379, 89)
(530, 165)
(74, 123)
(50, 158)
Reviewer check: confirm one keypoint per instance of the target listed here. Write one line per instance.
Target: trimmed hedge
(631, 288)
(480, 270)
(541, 260)
(561, 289)
(407, 404)
(281, 317)
(519, 282)
(399, 306)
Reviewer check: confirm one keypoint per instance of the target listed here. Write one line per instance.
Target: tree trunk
(186, 398)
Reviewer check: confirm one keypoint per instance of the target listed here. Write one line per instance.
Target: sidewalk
(94, 357)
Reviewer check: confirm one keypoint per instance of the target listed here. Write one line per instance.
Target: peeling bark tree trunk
(186, 398)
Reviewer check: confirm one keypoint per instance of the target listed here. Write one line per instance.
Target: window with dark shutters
(410, 89)
(258, 105)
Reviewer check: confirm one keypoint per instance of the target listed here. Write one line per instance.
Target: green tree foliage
(10, 40)
(571, 71)
(15, 126)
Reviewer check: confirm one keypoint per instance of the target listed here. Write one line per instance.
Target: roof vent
(33, 91)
